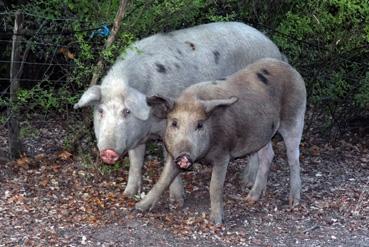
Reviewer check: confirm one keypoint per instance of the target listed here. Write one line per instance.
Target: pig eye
(200, 125)
(174, 124)
(125, 112)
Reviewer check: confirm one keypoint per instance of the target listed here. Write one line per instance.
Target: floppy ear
(160, 105)
(136, 102)
(91, 96)
(210, 105)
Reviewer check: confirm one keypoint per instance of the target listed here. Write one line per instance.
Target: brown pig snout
(109, 156)
(184, 161)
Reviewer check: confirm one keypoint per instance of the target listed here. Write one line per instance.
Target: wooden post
(15, 144)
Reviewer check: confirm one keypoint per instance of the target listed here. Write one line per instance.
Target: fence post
(15, 144)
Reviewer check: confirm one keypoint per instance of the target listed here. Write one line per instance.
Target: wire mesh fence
(58, 49)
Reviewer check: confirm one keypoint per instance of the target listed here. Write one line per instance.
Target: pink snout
(184, 161)
(109, 156)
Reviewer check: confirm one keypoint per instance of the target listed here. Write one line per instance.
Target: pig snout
(184, 161)
(109, 156)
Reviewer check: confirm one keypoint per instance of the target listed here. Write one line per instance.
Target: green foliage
(45, 98)
(108, 169)
(327, 41)
(362, 98)
(3, 102)
(3, 119)
(27, 130)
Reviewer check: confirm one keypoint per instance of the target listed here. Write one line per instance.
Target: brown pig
(217, 121)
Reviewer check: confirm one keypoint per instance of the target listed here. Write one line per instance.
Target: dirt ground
(53, 198)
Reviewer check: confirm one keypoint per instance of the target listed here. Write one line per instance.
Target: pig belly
(253, 141)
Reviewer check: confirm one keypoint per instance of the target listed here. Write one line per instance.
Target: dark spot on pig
(273, 126)
(265, 72)
(177, 66)
(196, 67)
(262, 78)
(222, 79)
(214, 83)
(160, 68)
(216, 56)
(192, 45)
(179, 52)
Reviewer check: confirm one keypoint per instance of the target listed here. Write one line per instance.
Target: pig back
(268, 91)
(166, 63)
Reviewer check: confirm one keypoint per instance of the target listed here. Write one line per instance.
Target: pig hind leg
(216, 188)
(291, 132)
(264, 158)
(250, 171)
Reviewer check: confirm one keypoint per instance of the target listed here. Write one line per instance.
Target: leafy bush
(330, 48)
(327, 41)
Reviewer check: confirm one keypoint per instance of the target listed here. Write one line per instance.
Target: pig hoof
(293, 202)
(246, 184)
(178, 202)
(251, 198)
(247, 181)
(131, 191)
(143, 206)
(217, 219)
(177, 198)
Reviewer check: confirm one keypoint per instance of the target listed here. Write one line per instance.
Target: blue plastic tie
(103, 32)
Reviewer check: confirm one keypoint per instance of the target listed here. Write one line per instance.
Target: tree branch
(116, 25)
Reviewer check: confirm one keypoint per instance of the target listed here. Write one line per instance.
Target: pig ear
(210, 105)
(160, 106)
(91, 96)
(136, 102)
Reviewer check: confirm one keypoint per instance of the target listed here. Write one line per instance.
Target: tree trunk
(15, 145)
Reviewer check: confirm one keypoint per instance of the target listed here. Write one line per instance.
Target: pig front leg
(136, 161)
(216, 189)
(168, 174)
(176, 190)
